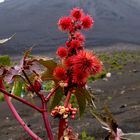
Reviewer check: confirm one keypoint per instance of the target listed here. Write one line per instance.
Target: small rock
(123, 91)
(7, 118)
(133, 89)
(108, 75)
(123, 106)
(105, 79)
(135, 71)
(99, 90)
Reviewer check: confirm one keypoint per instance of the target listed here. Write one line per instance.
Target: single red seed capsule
(66, 124)
(53, 112)
(29, 88)
(73, 112)
(68, 44)
(75, 109)
(66, 120)
(72, 116)
(37, 86)
(67, 109)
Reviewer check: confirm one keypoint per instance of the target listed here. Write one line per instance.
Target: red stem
(46, 121)
(26, 128)
(67, 99)
(44, 113)
(62, 122)
(21, 100)
(62, 127)
(51, 93)
(37, 93)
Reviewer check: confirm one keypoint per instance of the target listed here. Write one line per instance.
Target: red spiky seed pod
(87, 62)
(87, 22)
(75, 43)
(65, 23)
(60, 73)
(77, 13)
(62, 52)
(79, 36)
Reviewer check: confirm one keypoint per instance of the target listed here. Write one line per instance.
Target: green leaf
(1, 97)
(86, 94)
(47, 75)
(83, 96)
(17, 88)
(81, 100)
(56, 98)
(48, 85)
(50, 64)
(5, 60)
(73, 101)
(83, 134)
(46, 62)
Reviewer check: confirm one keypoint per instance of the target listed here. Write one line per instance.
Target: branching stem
(27, 78)
(21, 100)
(67, 99)
(45, 112)
(46, 122)
(23, 124)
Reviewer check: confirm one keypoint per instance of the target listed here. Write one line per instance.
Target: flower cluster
(78, 63)
(64, 112)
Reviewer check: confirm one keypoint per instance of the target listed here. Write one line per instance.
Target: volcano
(35, 23)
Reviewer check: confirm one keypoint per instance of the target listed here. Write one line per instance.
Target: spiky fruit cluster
(76, 20)
(64, 112)
(78, 63)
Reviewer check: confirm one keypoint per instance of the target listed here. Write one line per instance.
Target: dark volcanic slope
(34, 21)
